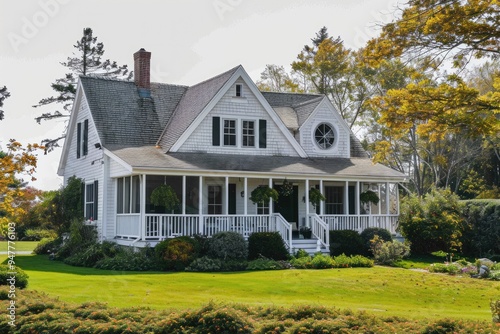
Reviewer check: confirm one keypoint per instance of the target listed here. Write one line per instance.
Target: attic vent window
(324, 135)
(239, 90)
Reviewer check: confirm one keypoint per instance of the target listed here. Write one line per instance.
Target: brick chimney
(142, 60)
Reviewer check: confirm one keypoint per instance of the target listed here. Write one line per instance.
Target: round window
(324, 135)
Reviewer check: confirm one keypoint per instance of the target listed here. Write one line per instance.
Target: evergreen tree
(86, 60)
(4, 93)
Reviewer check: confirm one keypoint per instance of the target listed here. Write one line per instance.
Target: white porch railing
(128, 225)
(320, 230)
(359, 223)
(169, 226)
(285, 229)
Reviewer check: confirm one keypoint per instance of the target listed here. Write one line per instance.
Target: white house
(214, 143)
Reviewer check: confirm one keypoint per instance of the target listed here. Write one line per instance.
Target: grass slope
(381, 290)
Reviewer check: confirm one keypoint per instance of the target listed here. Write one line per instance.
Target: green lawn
(20, 246)
(381, 290)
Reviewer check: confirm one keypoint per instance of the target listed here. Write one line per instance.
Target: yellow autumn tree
(16, 162)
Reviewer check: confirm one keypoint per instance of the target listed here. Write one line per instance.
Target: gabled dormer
(227, 114)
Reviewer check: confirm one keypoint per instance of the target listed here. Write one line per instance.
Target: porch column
(200, 204)
(184, 194)
(245, 192)
(321, 203)
(346, 198)
(357, 198)
(270, 200)
(226, 200)
(307, 201)
(143, 206)
(387, 198)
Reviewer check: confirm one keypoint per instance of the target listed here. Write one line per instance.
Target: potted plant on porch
(369, 196)
(306, 232)
(262, 194)
(165, 196)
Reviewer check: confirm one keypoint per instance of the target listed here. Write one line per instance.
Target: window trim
(235, 134)
(247, 135)
(238, 92)
(91, 189)
(315, 141)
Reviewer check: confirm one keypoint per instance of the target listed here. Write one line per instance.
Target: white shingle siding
(83, 168)
(324, 114)
(242, 108)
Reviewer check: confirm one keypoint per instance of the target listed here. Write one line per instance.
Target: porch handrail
(284, 228)
(320, 230)
(361, 222)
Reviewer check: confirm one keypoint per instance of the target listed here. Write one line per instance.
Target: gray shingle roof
(153, 158)
(123, 117)
(191, 105)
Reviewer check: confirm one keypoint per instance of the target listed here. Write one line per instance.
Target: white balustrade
(359, 223)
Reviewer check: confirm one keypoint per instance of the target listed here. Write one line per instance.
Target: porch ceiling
(151, 158)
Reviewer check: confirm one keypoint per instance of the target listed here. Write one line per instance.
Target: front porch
(208, 205)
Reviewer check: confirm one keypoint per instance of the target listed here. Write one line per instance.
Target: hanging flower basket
(286, 188)
(165, 196)
(262, 194)
(315, 197)
(369, 196)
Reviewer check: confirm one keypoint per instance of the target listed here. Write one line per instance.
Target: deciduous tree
(16, 162)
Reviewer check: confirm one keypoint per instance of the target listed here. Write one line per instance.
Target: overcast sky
(190, 41)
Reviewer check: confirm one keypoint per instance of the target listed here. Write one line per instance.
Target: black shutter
(262, 133)
(86, 137)
(216, 131)
(78, 138)
(82, 198)
(96, 196)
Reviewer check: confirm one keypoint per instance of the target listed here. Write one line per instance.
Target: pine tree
(86, 60)
(4, 93)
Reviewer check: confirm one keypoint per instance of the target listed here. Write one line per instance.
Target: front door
(288, 206)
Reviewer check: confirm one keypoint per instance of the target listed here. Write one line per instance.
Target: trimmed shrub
(368, 234)
(47, 246)
(267, 264)
(482, 230)
(205, 264)
(39, 234)
(81, 236)
(433, 222)
(20, 279)
(177, 253)
(203, 244)
(346, 242)
(451, 269)
(228, 246)
(267, 244)
(129, 260)
(353, 261)
(321, 261)
(388, 252)
(87, 257)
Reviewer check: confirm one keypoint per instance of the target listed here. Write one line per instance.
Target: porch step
(309, 245)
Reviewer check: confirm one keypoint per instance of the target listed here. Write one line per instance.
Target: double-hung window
(82, 139)
(248, 133)
(229, 132)
(90, 196)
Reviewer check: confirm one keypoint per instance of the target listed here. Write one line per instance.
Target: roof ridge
(215, 77)
(314, 100)
(290, 93)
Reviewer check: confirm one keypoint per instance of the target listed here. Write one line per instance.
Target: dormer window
(239, 90)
